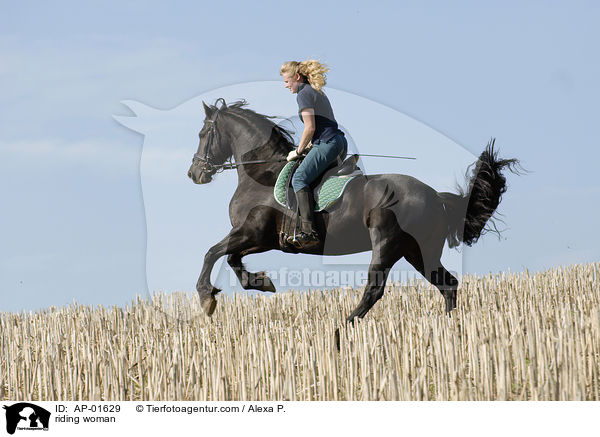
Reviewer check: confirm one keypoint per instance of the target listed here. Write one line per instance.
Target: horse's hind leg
(430, 266)
(386, 240)
(447, 283)
(249, 280)
(378, 272)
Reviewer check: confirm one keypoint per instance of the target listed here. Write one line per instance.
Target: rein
(230, 165)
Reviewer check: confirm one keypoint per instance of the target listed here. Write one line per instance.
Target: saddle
(326, 189)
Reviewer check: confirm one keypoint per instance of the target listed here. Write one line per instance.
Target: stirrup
(294, 241)
(306, 240)
(291, 239)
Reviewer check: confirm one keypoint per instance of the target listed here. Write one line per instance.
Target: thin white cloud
(50, 80)
(54, 152)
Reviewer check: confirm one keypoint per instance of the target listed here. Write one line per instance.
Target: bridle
(205, 162)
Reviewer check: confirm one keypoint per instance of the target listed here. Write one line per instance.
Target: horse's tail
(469, 212)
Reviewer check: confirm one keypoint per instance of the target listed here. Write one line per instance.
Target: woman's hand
(304, 150)
(293, 155)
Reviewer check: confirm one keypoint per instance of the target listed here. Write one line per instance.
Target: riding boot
(307, 238)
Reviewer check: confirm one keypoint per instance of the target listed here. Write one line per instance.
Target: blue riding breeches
(320, 156)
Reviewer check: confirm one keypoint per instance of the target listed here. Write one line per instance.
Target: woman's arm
(308, 116)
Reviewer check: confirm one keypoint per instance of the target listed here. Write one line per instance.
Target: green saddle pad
(329, 192)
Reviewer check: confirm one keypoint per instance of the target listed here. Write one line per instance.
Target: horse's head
(212, 149)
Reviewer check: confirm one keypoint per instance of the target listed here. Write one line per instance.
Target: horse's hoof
(207, 298)
(259, 281)
(267, 284)
(337, 339)
(208, 303)
(449, 311)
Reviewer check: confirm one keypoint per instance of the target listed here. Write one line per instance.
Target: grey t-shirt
(325, 125)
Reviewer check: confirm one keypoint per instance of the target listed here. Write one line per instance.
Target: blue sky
(73, 225)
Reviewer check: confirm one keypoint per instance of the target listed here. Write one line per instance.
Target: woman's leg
(316, 161)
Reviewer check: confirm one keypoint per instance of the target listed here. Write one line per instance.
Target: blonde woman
(322, 140)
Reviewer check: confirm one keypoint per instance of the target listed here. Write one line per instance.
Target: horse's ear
(223, 104)
(208, 110)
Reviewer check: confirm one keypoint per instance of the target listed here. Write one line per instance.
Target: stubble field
(513, 337)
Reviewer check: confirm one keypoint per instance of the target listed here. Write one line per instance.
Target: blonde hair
(312, 70)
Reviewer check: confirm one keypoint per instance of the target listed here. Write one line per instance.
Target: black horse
(393, 215)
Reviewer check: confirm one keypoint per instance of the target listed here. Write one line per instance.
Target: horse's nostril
(190, 174)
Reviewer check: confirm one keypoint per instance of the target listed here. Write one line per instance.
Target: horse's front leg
(232, 243)
(250, 280)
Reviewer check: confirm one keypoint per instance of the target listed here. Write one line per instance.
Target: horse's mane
(281, 137)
